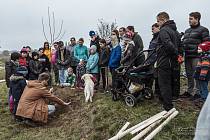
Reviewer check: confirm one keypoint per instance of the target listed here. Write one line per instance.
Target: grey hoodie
(203, 124)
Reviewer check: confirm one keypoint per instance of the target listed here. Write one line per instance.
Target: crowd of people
(69, 63)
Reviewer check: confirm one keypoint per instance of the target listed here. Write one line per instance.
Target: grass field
(97, 121)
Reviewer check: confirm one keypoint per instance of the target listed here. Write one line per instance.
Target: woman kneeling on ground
(32, 105)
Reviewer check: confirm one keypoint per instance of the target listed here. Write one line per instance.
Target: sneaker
(185, 95)
(195, 97)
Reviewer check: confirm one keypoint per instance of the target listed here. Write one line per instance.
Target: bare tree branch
(60, 31)
(50, 25)
(62, 35)
(53, 27)
(43, 29)
(106, 28)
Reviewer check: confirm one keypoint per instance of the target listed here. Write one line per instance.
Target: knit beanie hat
(92, 33)
(205, 46)
(23, 50)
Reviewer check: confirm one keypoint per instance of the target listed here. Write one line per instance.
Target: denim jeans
(203, 86)
(63, 75)
(51, 109)
(190, 64)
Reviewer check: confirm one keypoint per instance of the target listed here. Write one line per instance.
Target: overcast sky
(20, 22)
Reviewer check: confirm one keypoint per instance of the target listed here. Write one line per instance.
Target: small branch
(50, 25)
(43, 30)
(53, 27)
(62, 36)
(60, 31)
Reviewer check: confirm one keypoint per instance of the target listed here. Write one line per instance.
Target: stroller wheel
(148, 93)
(130, 100)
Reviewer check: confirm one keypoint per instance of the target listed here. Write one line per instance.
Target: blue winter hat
(92, 33)
(22, 70)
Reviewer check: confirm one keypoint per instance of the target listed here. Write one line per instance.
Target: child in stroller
(133, 82)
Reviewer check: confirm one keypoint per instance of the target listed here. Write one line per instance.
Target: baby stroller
(133, 81)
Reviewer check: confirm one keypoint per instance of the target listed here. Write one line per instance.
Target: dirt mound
(76, 115)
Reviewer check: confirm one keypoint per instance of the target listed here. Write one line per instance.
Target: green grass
(97, 121)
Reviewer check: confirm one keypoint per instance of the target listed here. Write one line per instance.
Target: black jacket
(45, 62)
(10, 68)
(153, 46)
(66, 62)
(17, 85)
(138, 47)
(96, 43)
(169, 41)
(104, 57)
(192, 38)
(35, 68)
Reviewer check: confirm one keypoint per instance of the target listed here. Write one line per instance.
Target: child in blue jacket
(92, 63)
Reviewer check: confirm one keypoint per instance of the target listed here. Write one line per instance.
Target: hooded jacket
(115, 57)
(104, 57)
(92, 63)
(33, 103)
(153, 46)
(169, 43)
(192, 38)
(10, 68)
(80, 52)
(17, 85)
(35, 68)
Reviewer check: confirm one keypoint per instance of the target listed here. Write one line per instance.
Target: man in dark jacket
(193, 36)
(63, 62)
(167, 55)
(138, 44)
(153, 56)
